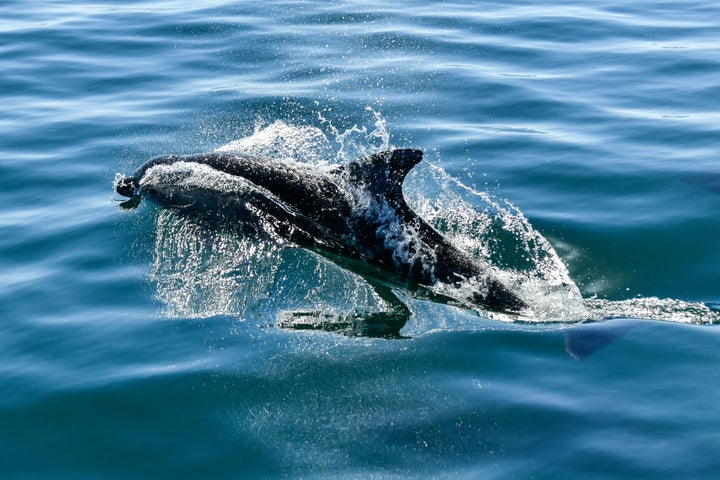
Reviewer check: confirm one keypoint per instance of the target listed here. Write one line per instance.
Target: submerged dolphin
(354, 213)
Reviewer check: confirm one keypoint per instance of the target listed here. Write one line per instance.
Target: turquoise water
(134, 346)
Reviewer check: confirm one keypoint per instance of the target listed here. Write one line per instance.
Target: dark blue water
(134, 346)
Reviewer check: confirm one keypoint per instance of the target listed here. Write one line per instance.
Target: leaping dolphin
(355, 214)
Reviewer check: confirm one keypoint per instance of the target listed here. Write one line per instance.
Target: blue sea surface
(132, 346)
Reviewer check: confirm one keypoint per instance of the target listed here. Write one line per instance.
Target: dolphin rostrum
(355, 214)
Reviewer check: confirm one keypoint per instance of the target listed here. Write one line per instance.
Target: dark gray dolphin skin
(355, 214)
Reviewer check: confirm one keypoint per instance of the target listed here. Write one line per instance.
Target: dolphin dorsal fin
(383, 173)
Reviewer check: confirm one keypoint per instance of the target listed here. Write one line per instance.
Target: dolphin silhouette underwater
(355, 214)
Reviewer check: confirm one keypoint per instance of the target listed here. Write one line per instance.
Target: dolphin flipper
(385, 324)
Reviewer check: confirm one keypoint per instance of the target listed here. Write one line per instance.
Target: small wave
(653, 308)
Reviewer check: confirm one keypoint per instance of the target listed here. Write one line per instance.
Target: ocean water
(135, 344)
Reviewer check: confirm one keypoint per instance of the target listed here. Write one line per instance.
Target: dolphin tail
(500, 298)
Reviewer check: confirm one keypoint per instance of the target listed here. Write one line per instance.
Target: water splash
(201, 272)
(285, 142)
(495, 232)
(358, 141)
(653, 308)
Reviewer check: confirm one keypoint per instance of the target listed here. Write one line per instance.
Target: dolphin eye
(152, 191)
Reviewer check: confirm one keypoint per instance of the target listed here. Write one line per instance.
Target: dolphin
(355, 214)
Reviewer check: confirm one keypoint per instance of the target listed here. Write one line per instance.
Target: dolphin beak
(127, 187)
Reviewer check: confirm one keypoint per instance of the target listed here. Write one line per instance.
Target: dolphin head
(126, 186)
(178, 185)
(184, 184)
(129, 186)
(167, 181)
